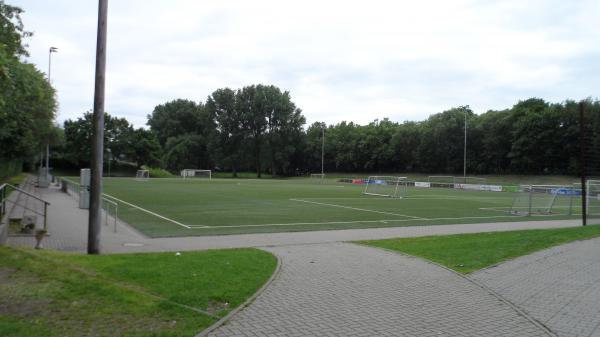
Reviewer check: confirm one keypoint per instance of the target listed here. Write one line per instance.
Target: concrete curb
(485, 288)
(246, 303)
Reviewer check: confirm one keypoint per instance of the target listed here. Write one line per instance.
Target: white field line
(371, 221)
(357, 209)
(150, 212)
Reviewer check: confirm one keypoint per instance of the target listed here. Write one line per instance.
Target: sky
(340, 60)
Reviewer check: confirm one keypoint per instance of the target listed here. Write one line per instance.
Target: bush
(157, 172)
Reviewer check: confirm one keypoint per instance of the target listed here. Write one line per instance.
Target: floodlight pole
(95, 214)
(583, 164)
(465, 147)
(50, 51)
(322, 149)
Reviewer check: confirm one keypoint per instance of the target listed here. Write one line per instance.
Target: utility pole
(95, 215)
(322, 149)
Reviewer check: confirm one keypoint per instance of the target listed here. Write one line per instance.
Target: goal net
(593, 198)
(193, 173)
(317, 177)
(544, 199)
(385, 186)
(142, 175)
(470, 180)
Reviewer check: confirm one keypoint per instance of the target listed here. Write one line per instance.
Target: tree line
(27, 101)
(258, 128)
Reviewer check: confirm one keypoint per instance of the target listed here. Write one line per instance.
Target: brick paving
(560, 286)
(343, 289)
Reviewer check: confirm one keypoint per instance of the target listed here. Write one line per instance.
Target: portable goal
(142, 175)
(193, 173)
(593, 198)
(544, 199)
(317, 177)
(385, 186)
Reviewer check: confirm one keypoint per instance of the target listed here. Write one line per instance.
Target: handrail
(24, 192)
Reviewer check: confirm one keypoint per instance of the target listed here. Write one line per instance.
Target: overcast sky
(340, 60)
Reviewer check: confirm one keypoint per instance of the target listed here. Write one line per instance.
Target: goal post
(318, 177)
(544, 199)
(142, 175)
(194, 173)
(385, 186)
(593, 198)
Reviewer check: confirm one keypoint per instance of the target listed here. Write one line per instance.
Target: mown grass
(466, 253)
(46, 293)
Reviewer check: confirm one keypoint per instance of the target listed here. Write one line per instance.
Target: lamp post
(47, 171)
(50, 51)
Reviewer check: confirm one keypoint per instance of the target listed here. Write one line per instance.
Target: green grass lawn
(45, 293)
(466, 253)
(234, 206)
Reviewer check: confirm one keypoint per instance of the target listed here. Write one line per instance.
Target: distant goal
(193, 173)
(385, 186)
(545, 199)
(142, 175)
(317, 177)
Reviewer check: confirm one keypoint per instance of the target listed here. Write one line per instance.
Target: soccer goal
(385, 186)
(470, 180)
(142, 175)
(317, 177)
(544, 199)
(593, 198)
(193, 173)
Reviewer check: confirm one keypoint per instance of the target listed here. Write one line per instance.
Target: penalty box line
(152, 213)
(357, 209)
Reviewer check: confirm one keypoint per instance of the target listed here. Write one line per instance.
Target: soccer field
(192, 207)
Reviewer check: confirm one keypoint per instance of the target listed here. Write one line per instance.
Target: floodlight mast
(465, 148)
(323, 149)
(95, 215)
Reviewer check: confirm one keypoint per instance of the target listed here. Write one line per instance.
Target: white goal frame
(397, 184)
(542, 199)
(592, 192)
(193, 173)
(142, 175)
(319, 176)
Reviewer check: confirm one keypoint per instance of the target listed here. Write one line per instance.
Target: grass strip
(56, 294)
(467, 253)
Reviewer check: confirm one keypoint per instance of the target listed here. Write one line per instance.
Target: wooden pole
(95, 212)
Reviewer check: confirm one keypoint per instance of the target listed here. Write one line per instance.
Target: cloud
(340, 60)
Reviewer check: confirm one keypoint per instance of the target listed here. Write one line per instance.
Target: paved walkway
(343, 289)
(559, 286)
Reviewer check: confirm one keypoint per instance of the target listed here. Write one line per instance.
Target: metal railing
(73, 189)
(4, 199)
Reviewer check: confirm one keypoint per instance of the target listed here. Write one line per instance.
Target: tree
(27, 101)
(252, 105)
(229, 132)
(179, 117)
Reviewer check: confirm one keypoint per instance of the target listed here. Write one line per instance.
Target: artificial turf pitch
(194, 207)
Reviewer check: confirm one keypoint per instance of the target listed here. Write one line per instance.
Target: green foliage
(157, 172)
(466, 253)
(125, 143)
(27, 101)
